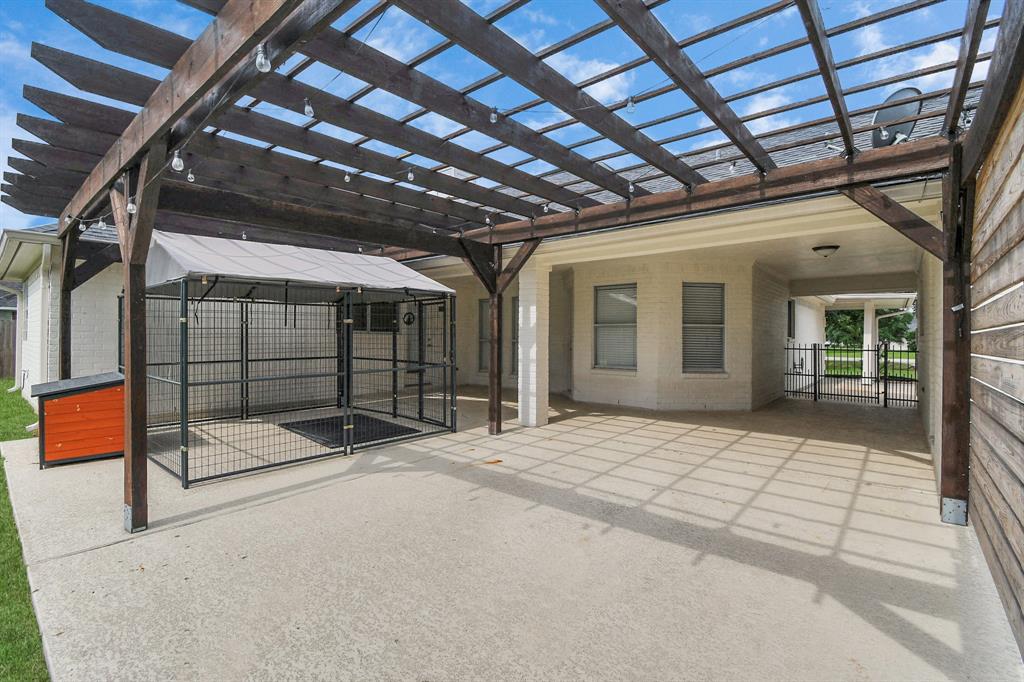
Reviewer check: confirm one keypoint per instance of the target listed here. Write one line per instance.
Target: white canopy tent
(173, 257)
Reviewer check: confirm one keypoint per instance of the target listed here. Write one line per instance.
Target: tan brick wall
(768, 313)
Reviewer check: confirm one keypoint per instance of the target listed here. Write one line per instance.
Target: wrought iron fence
(879, 375)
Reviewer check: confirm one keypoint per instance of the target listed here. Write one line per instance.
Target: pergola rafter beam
(67, 109)
(815, 26)
(974, 27)
(217, 68)
(467, 28)
(899, 217)
(126, 86)
(651, 36)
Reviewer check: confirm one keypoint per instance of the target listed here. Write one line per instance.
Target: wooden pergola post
(957, 213)
(67, 277)
(134, 230)
(494, 366)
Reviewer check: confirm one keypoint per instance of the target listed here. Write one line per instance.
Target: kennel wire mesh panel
(248, 375)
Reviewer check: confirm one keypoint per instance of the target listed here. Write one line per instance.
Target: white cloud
(764, 102)
(400, 36)
(610, 90)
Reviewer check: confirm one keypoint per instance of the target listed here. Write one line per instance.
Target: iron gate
(881, 375)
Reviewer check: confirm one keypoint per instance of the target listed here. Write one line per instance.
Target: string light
(630, 188)
(631, 105)
(348, 177)
(488, 220)
(101, 224)
(131, 208)
(262, 63)
(307, 108)
(410, 176)
(244, 236)
(177, 165)
(732, 168)
(546, 208)
(191, 176)
(494, 115)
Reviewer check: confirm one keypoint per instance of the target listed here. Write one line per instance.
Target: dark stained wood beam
(216, 69)
(470, 31)
(46, 175)
(29, 206)
(67, 136)
(159, 47)
(67, 109)
(362, 61)
(67, 273)
(511, 270)
(640, 24)
(910, 159)
(974, 27)
(288, 217)
(95, 264)
(1004, 77)
(48, 155)
(181, 223)
(899, 217)
(815, 27)
(126, 86)
(957, 214)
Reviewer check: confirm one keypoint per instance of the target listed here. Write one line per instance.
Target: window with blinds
(484, 328)
(703, 327)
(615, 326)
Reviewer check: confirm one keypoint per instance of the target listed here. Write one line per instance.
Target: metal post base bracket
(129, 526)
(954, 511)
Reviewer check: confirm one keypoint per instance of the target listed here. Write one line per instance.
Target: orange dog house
(80, 419)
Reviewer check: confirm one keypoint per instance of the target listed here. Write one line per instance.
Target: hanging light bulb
(67, 220)
(244, 236)
(631, 105)
(487, 220)
(262, 62)
(348, 177)
(732, 168)
(494, 115)
(360, 247)
(101, 224)
(630, 188)
(177, 165)
(337, 289)
(81, 227)
(131, 208)
(410, 176)
(307, 108)
(191, 176)
(546, 208)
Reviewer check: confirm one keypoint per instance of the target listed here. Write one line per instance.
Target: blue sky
(537, 25)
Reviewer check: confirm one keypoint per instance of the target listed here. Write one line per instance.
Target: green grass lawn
(21, 649)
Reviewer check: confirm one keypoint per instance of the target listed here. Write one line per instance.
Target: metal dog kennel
(260, 355)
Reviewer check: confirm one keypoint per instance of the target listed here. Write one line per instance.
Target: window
(615, 327)
(484, 328)
(515, 337)
(375, 317)
(791, 318)
(703, 327)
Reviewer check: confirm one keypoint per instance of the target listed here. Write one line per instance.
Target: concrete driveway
(797, 542)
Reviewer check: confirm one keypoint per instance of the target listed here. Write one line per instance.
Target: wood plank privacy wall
(997, 372)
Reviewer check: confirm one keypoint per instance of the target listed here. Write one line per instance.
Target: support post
(534, 305)
(957, 216)
(869, 358)
(817, 351)
(421, 347)
(394, 364)
(451, 360)
(67, 276)
(134, 231)
(494, 366)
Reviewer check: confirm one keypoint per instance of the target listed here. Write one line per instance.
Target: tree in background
(846, 328)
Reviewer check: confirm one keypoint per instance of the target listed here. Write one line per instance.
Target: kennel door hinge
(183, 320)
(347, 321)
(184, 449)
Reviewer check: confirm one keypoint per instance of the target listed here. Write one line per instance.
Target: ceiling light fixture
(825, 250)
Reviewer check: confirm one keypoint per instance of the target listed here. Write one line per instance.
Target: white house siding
(658, 382)
(929, 346)
(560, 332)
(769, 338)
(809, 320)
(31, 340)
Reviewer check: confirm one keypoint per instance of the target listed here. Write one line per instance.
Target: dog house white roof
(176, 256)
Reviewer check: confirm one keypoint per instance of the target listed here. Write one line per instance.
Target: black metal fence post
(394, 361)
(183, 380)
(817, 349)
(885, 375)
(421, 344)
(243, 370)
(348, 418)
(451, 358)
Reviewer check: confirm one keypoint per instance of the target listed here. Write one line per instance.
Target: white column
(534, 308)
(870, 340)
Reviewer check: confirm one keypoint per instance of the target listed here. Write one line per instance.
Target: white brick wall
(534, 316)
(94, 327)
(658, 381)
(768, 359)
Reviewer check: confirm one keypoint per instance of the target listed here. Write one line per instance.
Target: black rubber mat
(328, 431)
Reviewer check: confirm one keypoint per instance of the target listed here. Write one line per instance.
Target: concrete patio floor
(797, 542)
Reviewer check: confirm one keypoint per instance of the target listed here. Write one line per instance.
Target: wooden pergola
(264, 177)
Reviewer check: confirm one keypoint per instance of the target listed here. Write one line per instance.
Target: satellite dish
(884, 135)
